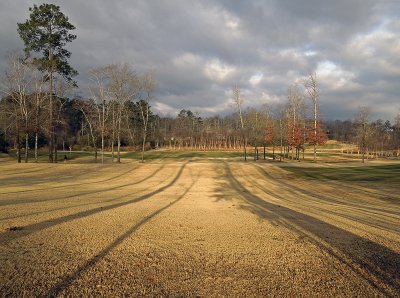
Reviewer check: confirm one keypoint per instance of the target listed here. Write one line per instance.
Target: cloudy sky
(200, 49)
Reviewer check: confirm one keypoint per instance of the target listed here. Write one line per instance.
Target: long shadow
(330, 199)
(16, 172)
(76, 184)
(8, 236)
(69, 279)
(44, 176)
(318, 197)
(91, 203)
(375, 259)
(13, 202)
(385, 196)
(376, 224)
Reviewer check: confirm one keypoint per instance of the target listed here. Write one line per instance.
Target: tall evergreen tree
(47, 32)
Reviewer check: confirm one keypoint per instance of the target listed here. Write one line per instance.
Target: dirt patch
(200, 228)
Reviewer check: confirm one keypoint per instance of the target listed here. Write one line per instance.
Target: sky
(198, 50)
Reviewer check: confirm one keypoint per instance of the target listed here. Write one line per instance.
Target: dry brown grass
(211, 228)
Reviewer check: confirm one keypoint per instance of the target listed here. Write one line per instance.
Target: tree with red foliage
(319, 138)
(295, 137)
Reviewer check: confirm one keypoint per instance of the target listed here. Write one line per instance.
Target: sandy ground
(194, 229)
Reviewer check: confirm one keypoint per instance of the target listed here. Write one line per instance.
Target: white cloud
(334, 77)
(216, 70)
(270, 98)
(310, 53)
(164, 109)
(256, 79)
(187, 60)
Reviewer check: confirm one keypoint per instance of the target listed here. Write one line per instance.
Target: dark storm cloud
(200, 49)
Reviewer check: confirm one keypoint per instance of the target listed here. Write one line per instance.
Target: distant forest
(79, 125)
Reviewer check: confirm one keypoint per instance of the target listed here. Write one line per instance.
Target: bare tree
(62, 89)
(89, 110)
(256, 123)
(17, 83)
(39, 96)
(312, 90)
(238, 101)
(100, 93)
(267, 130)
(293, 110)
(148, 87)
(362, 121)
(397, 133)
(123, 88)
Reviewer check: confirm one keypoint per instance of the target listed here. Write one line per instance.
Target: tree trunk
(26, 147)
(119, 141)
(315, 122)
(113, 136)
(102, 147)
(36, 147)
(144, 143)
(245, 152)
(363, 155)
(291, 155)
(55, 148)
(315, 152)
(119, 148)
(112, 148)
(51, 126)
(264, 151)
(102, 133)
(18, 146)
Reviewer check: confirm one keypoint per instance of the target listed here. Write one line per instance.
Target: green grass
(320, 154)
(44, 157)
(385, 173)
(326, 146)
(166, 154)
(148, 155)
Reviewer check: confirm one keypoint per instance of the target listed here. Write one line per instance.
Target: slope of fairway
(199, 228)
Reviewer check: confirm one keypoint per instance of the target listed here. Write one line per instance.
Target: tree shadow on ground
(8, 236)
(91, 193)
(340, 190)
(70, 278)
(75, 175)
(311, 195)
(80, 194)
(375, 263)
(44, 174)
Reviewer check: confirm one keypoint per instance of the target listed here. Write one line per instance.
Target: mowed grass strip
(182, 154)
(381, 173)
(135, 155)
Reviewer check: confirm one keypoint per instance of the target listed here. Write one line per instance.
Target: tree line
(379, 138)
(118, 114)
